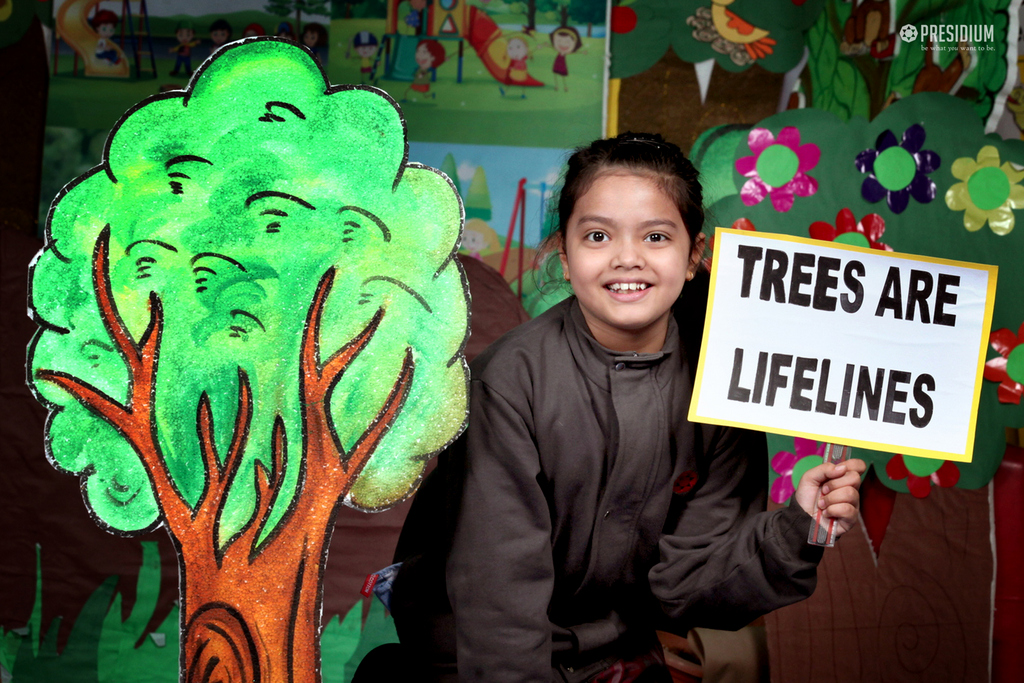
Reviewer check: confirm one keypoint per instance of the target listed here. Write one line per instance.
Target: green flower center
(777, 165)
(855, 239)
(895, 168)
(802, 465)
(1015, 364)
(921, 467)
(989, 188)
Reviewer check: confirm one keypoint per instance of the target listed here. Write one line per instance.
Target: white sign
(844, 345)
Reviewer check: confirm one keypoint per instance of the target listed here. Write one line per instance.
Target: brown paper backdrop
(923, 614)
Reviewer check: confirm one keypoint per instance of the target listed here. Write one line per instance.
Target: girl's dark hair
(646, 154)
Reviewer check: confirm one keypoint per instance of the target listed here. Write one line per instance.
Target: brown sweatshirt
(581, 510)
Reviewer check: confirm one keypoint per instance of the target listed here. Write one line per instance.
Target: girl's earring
(689, 275)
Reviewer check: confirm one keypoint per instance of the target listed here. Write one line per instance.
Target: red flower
(738, 224)
(847, 230)
(1008, 368)
(945, 475)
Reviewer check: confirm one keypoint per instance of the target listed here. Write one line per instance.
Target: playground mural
(109, 54)
(474, 72)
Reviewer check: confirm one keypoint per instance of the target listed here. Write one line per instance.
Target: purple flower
(778, 168)
(898, 170)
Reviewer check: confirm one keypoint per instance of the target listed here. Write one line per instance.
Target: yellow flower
(989, 192)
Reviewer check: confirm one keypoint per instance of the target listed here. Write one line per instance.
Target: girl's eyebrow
(603, 220)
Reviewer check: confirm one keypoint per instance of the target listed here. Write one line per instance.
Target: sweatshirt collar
(597, 361)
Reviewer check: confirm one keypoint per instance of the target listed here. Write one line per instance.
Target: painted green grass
(104, 648)
(100, 647)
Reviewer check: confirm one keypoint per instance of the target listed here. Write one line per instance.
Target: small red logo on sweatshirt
(685, 483)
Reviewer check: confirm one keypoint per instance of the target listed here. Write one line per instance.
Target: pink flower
(778, 168)
(784, 463)
(1008, 368)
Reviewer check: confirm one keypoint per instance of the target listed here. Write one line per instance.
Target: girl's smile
(627, 254)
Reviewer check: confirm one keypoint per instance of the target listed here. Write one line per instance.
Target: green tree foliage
(235, 277)
(478, 196)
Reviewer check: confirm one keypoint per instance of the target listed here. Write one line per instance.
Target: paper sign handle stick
(823, 530)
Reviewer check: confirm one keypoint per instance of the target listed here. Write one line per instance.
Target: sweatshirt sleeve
(500, 570)
(725, 560)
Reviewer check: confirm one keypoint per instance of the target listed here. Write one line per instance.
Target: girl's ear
(697, 252)
(560, 245)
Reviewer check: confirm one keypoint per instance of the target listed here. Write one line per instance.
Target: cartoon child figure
(518, 52)
(565, 40)
(365, 45)
(104, 22)
(220, 33)
(186, 41)
(254, 29)
(314, 36)
(285, 30)
(429, 55)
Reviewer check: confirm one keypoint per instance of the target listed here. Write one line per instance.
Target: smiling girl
(581, 510)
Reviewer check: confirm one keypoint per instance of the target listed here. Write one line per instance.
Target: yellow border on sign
(990, 297)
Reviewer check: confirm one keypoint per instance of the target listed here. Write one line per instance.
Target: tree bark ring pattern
(219, 647)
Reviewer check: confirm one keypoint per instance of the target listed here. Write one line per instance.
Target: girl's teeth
(627, 286)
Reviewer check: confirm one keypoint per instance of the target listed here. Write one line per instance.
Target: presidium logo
(974, 37)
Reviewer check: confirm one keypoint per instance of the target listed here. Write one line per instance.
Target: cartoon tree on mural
(251, 314)
(849, 82)
(283, 8)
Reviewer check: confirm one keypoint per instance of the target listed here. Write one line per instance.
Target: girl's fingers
(842, 511)
(847, 494)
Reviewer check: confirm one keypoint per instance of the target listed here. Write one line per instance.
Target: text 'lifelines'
(882, 393)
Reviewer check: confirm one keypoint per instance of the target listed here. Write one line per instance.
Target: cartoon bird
(730, 34)
(737, 30)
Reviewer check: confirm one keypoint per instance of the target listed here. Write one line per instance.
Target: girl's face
(106, 30)
(626, 254)
(310, 38)
(564, 43)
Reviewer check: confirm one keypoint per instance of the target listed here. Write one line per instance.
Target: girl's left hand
(840, 497)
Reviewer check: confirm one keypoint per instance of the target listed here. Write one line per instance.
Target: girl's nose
(628, 255)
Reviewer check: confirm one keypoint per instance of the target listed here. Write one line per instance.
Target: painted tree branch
(219, 477)
(134, 420)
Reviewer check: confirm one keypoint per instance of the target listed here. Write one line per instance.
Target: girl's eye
(656, 237)
(596, 236)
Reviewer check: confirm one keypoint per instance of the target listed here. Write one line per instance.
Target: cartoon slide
(405, 58)
(102, 56)
(493, 48)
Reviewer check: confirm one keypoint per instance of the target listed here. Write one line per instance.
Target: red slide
(492, 47)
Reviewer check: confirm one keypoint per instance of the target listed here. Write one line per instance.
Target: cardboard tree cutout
(251, 313)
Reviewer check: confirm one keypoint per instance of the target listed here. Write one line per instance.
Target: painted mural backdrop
(251, 314)
(922, 178)
(475, 72)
